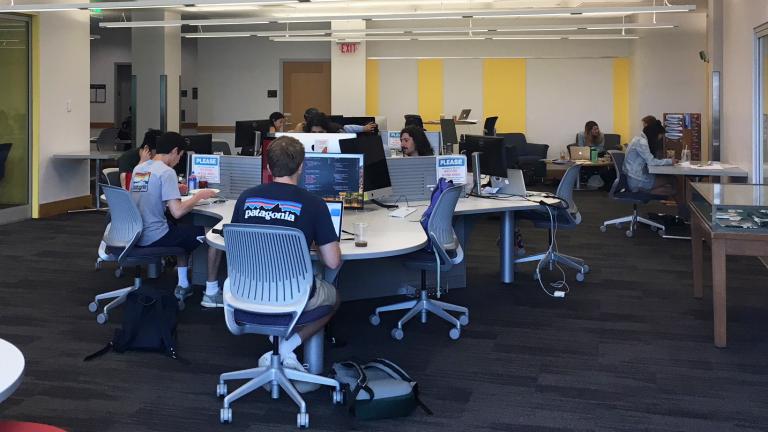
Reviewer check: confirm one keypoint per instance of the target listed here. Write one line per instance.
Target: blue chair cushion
(281, 320)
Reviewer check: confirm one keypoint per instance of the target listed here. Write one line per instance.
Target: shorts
(183, 236)
(325, 295)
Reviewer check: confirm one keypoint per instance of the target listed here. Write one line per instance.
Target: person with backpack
(267, 205)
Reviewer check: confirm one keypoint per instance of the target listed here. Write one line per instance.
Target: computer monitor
(335, 177)
(200, 144)
(245, 136)
(318, 142)
(448, 129)
(376, 180)
(493, 157)
(434, 139)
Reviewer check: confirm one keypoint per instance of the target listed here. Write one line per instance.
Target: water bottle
(192, 181)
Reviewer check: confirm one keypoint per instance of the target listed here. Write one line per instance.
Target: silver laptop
(464, 114)
(580, 153)
(513, 185)
(336, 209)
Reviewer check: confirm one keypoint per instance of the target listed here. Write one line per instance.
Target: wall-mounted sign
(348, 47)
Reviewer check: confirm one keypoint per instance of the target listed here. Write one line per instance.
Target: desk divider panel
(410, 177)
(238, 173)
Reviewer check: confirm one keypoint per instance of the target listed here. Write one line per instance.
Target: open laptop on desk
(580, 153)
(336, 209)
(464, 114)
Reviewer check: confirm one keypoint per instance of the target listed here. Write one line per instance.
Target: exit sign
(348, 47)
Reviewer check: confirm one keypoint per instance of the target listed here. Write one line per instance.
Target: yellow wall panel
(430, 90)
(621, 80)
(372, 88)
(504, 93)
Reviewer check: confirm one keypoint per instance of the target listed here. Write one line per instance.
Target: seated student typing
(276, 122)
(414, 142)
(591, 136)
(154, 187)
(636, 162)
(298, 209)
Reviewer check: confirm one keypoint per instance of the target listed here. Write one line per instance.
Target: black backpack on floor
(149, 324)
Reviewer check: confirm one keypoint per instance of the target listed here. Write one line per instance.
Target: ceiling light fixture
(138, 4)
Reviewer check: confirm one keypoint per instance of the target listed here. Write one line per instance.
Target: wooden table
(11, 369)
(558, 169)
(723, 243)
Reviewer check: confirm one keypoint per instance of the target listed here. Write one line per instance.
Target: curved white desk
(387, 236)
(12, 369)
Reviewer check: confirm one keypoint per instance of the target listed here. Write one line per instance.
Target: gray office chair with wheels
(121, 237)
(446, 252)
(564, 218)
(620, 191)
(265, 293)
(221, 147)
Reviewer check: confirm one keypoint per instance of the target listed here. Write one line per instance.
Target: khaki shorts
(325, 295)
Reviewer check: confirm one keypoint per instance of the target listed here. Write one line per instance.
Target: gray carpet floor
(628, 349)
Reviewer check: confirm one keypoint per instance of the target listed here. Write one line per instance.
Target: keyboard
(402, 212)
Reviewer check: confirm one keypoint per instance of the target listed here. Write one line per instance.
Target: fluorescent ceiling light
(171, 23)
(444, 38)
(214, 35)
(138, 4)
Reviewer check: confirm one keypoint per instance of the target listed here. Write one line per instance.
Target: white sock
(288, 345)
(183, 281)
(211, 288)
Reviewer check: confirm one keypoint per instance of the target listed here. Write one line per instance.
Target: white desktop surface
(724, 170)
(105, 155)
(12, 369)
(386, 235)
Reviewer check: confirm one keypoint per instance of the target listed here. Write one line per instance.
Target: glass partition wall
(15, 137)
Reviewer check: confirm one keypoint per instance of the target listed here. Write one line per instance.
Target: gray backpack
(378, 389)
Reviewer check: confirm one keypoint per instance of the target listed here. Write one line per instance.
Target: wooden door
(305, 85)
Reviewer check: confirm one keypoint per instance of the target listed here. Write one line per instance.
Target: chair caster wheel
(464, 320)
(580, 277)
(455, 333)
(397, 333)
(585, 269)
(225, 415)
(101, 318)
(302, 420)
(603, 228)
(119, 273)
(629, 233)
(661, 233)
(338, 397)
(182, 305)
(654, 229)
(221, 389)
(97, 266)
(374, 320)
(93, 307)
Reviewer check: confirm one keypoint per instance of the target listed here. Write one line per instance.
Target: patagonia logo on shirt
(140, 182)
(268, 209)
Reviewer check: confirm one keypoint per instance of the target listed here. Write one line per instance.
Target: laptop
(464, 114)
(580, 153)
(513, 185)
(336, 209)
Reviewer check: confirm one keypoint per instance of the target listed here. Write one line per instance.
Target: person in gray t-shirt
(154, 188)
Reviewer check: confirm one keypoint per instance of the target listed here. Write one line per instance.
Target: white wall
(348, 74)
(462, 89)
(64, 53)
(562, 95)
(234, 75)
(667, 74)
(737, 118)
(113, 46)
(399, 91)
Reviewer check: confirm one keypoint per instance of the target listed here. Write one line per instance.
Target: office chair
(565, 218)
(413, 120)
(106, 139)
(612, 141)
(446, 252)
(620, 191)
(489, 128)
(110, 176)
(121, 237)
(221, 147)
(265, 293)
(5, 150)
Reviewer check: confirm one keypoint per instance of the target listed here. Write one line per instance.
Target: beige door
(305, 85)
